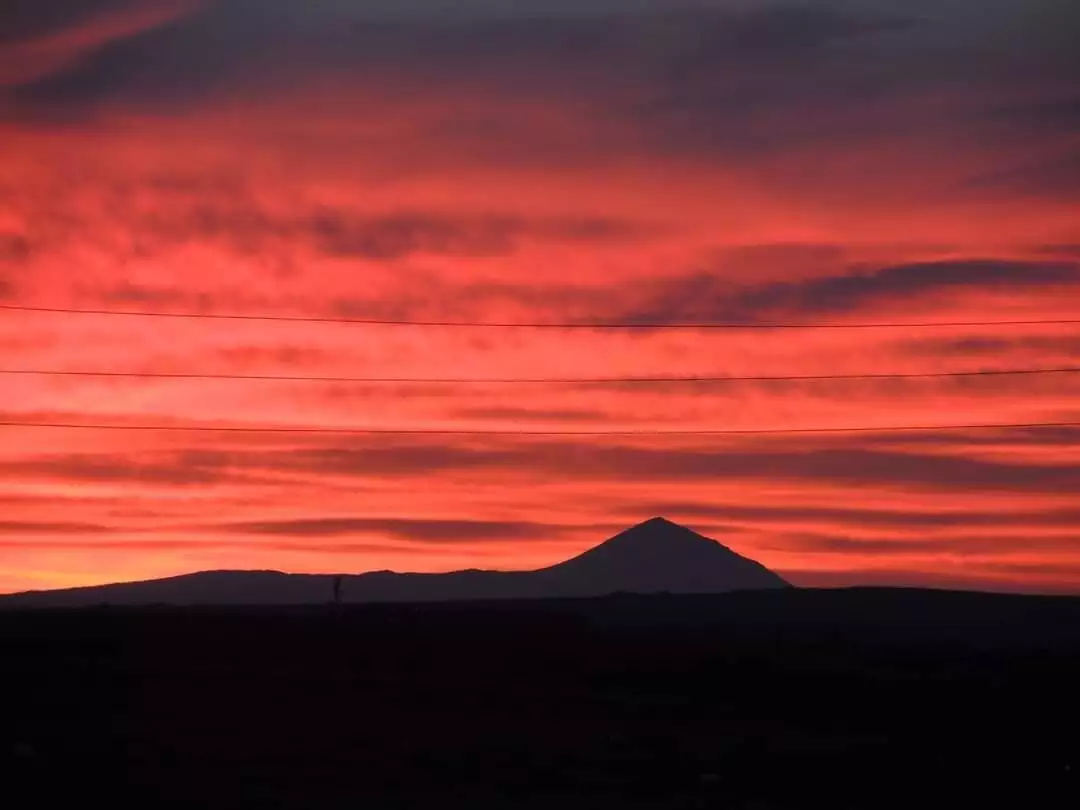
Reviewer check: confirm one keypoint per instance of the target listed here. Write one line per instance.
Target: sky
(523, 162)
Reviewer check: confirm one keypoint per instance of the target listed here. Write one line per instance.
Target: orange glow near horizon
(312, 168)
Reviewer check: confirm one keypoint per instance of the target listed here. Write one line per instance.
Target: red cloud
(634, 180)
(43, 51)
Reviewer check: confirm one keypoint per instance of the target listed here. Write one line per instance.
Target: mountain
(659, 555)
(652, 557)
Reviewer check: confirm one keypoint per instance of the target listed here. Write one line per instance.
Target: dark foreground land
(860, 698)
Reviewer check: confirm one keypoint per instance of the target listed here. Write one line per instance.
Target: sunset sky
(539, 162)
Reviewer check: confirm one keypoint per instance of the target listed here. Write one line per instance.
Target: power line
(624, 325)
(660, 380)
(527, 432)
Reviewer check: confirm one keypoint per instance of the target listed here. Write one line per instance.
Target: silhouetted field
(861, 698)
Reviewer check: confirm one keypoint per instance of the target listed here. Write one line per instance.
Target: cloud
(756, 262)
(1064, 250)
(28, 19)
(1055, 176)
(398, 236)
(1054, 113)
(862, 518)
(952, 546)
(996, 346)
(190, 469)
(258, 45)
(529, 161)
(573, 462)
(14, 247)
(279, 354)
(19, 527)
(716, 82)
(117, 543)
(38, 40)
(856, 467)
(960, 442)
(585, 461)
(241, 224)
(513, 414)
(707, 296)
(426, 530)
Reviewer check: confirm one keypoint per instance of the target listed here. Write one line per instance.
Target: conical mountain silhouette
(654, 556)
(659, 555)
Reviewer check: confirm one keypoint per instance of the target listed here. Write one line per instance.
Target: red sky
(733, 162)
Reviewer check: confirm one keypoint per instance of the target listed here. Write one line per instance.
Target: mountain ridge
(655, 556)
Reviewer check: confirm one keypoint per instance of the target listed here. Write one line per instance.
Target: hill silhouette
(657, 556)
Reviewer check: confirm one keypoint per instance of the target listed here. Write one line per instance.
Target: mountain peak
(660, 531)
(659, 554)
(658, 521)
